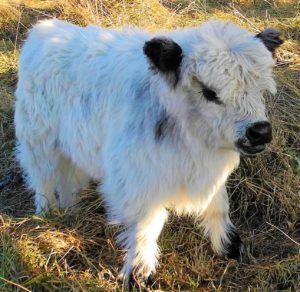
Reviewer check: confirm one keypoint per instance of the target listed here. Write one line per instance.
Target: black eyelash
(210, 95)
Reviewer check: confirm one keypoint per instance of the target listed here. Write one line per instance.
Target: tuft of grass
(74, 250)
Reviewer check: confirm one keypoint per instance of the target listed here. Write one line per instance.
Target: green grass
(75, 250)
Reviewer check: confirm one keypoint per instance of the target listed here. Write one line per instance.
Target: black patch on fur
(210, 95)
(271, 39)
(233, 248)
(164, 125)
(56, 195)
(165, 55)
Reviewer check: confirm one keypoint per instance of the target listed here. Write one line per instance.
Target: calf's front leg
(218, 226)
(140, 241)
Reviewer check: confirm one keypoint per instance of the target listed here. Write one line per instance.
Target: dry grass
(75, 251)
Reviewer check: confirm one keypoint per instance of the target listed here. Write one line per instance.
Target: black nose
(259, 133)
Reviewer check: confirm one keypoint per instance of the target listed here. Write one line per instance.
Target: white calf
(161, 120)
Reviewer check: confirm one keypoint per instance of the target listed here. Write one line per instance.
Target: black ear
(164, 53)
(271, 39)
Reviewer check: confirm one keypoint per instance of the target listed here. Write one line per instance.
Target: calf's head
(222, 73)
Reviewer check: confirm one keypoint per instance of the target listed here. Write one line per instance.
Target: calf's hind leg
(40, 166)
(70, 180)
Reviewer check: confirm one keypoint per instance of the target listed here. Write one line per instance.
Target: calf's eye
(210, 95)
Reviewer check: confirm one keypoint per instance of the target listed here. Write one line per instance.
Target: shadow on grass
(61, 248)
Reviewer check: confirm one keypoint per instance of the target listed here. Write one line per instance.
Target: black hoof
(149, 282)
(11, 180)
(131, 282)
(139, 284)
(233, 249)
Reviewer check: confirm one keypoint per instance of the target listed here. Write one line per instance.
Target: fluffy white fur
(87, 107)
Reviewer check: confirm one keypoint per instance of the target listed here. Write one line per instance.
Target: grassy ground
(75, 250)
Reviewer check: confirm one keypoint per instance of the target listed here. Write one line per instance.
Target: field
(74, 250)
